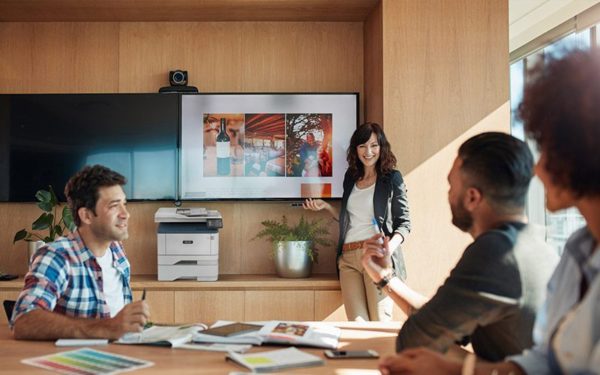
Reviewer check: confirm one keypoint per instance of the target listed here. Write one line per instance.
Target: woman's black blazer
(390, 208)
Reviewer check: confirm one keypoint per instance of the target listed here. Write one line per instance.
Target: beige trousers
(361, 298)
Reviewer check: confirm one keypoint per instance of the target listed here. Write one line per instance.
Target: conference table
(379, 336)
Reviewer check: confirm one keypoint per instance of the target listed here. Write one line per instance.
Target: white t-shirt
(112, 283)
(360, 214)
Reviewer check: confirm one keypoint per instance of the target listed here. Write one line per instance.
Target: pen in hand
(148, 324)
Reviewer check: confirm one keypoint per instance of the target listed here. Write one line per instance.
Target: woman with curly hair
(373, 190)
(561, 112)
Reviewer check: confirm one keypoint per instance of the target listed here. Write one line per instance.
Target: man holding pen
(78, 286)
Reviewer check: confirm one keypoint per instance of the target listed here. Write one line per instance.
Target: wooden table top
(355, 336)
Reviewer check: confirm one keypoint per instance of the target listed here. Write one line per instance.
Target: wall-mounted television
(45, 138)
(265, 146)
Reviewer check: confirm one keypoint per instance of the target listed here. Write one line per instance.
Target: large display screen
(265, 146)
(45, 138)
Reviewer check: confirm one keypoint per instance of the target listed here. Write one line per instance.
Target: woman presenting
(374, 200)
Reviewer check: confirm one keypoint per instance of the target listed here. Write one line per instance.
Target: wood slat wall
(445, 78)
(220, 57)
(434, 71)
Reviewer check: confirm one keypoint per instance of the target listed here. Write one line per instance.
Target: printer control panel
(214, 223)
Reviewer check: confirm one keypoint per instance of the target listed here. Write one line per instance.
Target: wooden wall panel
(445, 74)
(329, 306)
(14, 217)
(271, 305)
(161, 305)
(209, 306)
(373, 37)
(55, 57)
(220, 57)
(243, 56)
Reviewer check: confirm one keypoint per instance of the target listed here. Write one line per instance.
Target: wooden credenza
(232, 297)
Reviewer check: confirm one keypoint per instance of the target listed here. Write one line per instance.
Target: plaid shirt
(65, 278)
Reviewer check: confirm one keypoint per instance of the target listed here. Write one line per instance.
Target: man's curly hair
(561, 112)
(387, 160)
(82, 190)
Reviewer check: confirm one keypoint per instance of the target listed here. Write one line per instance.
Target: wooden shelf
(184, 10)
(240, 282)
(225, 282)
(232, 297)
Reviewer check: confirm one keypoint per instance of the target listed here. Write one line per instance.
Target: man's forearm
(46, 325)
(406, 298)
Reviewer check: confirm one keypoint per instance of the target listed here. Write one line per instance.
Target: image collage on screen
(267, 144)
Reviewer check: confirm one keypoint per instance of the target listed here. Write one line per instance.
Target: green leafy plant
(305, 230)
(48, 203)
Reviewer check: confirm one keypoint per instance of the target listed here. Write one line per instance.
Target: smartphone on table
(340, 354)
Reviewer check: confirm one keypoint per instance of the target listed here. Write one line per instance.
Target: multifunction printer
(188, 243)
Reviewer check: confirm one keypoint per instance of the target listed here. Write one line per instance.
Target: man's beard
(461, 218)
(109, 233)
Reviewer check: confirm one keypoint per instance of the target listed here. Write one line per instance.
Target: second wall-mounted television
(46, 138)
(265, 146)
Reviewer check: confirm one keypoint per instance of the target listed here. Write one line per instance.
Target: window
(559, 225)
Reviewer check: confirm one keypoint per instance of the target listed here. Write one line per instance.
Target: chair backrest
(8, 308)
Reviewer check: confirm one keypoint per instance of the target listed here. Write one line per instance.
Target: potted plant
(295, 247)
(48, 220)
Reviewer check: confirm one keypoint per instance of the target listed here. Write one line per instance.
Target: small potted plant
(295, 247)
(48, 220)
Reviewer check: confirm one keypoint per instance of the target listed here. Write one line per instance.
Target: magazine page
(227, 332)
(297, 333)
(276, 360)
(172, 336)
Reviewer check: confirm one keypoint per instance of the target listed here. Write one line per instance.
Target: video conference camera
(178, 79)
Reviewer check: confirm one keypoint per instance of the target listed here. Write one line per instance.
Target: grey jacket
(390, 209)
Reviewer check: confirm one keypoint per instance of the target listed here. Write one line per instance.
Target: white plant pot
(292, 260)
(32, 247)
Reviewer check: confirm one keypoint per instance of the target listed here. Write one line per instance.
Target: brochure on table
(275, 360)
(279, 332)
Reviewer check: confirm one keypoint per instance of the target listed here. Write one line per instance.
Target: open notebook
(278, 332)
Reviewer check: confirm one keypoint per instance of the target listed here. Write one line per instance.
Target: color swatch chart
(87, 362)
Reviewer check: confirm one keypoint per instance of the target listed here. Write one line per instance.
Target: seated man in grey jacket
(492, 294)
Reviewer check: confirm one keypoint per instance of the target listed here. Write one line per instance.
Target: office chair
(8, 308)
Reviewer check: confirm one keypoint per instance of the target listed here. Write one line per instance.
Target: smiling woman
(373, 190)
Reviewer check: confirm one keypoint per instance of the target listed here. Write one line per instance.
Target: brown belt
(352, 245)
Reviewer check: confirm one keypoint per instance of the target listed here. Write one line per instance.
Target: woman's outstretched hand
(314, 204)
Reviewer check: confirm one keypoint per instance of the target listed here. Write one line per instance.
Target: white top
(112, 283)
(360, 214)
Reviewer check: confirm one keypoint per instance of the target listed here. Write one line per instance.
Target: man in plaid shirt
(78, 286)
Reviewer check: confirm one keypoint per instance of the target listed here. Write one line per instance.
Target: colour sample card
(87, 362)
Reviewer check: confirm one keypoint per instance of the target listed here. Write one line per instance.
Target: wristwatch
(384, 280)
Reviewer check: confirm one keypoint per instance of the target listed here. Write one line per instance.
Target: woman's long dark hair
(386, 162)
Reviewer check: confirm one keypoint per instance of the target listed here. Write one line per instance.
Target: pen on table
(144, 294)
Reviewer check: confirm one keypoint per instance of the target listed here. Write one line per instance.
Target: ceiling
(529, 19)
(185, 10)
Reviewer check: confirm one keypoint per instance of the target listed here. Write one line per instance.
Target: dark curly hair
(387, 160)
(82, 189)
(561, 112)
